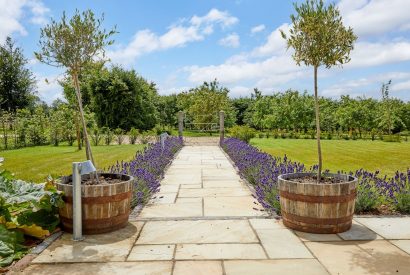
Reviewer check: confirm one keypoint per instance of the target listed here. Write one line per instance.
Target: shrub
(402, 196)
(367, 198)
(119, 133)
(108, 135)
(148, 167)
(96, 136)
(391, 138)
(133, 135)
(244, 133)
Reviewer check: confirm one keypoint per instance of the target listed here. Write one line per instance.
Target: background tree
(203, 104)
(73, 44)
(17, 83)
(122, 99)
(318, 38)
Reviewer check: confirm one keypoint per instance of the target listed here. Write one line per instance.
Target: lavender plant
(147, 168)
(262, 170)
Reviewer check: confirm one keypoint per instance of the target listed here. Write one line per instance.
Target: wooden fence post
(221, 126)
(180, 123)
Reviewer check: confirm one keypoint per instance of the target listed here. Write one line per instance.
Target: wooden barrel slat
(317, 208)
(105, 208)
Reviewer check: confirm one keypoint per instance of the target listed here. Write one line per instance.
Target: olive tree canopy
(318, 38)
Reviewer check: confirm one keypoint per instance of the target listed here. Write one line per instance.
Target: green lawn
(347, 155)
(35, 163)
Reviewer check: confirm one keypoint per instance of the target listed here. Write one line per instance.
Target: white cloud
(367, 54)
(178, 35)
(48, 87)
(375, 16)
(401, 86)
(274, 44)
(12, 12)
(258, 28)
(369, 85)
(231, 41)
(214, 16)
(39, 11)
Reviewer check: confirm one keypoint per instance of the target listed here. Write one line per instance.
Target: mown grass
(346, 155)
(36, 163)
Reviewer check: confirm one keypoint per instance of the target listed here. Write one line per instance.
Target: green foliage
(108, 135)
(119, 134)
(133, 135)
(403, 199)
(367, 198)
(167, 107)
(120, 98)
(11, 247)
(17, 83)
(27, 208)
(244, 133)
(202, 104)
(318, 35)
(96, 136)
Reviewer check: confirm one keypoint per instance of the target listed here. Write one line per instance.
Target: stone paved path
(205, 221)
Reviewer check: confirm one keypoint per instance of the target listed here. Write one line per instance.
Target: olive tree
(318, 38)
(73, 44)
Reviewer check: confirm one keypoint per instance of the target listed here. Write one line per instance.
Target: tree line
(120, 100)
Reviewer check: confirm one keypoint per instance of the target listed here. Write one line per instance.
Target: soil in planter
(313, 180)
(102, 180)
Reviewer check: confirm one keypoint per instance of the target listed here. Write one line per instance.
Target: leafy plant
(133, 135)
(368, 198)
(25, 209)
(319, 37)
(11, 247)
(119, 134)
(74, 43)
(403, 195)
(244, 133)
(108, 135)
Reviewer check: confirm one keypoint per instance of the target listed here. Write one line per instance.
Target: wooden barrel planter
(105, 207)
(317, 208)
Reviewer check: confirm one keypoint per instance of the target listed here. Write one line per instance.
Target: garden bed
(377, 195)
(147, 168)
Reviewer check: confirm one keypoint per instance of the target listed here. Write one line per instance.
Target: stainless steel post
(77, 218)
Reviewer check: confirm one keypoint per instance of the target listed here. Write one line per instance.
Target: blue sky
(180, 44)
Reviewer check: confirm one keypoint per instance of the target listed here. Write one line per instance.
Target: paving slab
(163, 198)
(279, 267)
(214, 192)
(201, 231)
(219, 251)
(361, 257)
(109, 247)
(222, 183)
(358, 232)
(311, 237)
(198, 268)
(129, 268)
(402, 244)
(232, 206)
(266, 224)
(151, 252)
(189, 209)
(282, 244)
(388, 227)
(184, 200)
(168, 189)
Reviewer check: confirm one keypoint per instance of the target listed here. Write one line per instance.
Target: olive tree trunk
(80, 106)
(319, 149)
